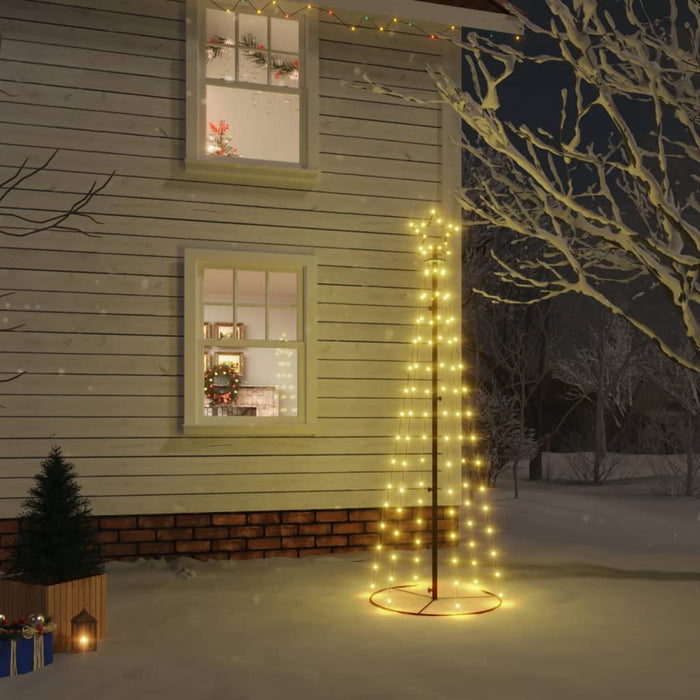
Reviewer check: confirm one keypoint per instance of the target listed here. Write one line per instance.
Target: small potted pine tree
(56, 566)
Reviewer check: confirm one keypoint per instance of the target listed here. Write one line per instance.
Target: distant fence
(578, 466)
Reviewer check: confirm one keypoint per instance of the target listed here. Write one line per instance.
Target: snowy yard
(602, 601)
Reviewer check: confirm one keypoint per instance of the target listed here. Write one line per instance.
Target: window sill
(247, 173)
(247, 429)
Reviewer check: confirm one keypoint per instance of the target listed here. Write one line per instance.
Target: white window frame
(240, 170)
(195, 423)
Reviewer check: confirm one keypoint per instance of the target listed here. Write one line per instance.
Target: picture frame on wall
(206, 329)
(224, 331)
(207, 361)
(227, 331)
(235, 359)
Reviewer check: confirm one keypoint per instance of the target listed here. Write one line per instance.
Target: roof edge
(438, 14)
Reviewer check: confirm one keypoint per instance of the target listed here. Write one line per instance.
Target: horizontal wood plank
(99, 320)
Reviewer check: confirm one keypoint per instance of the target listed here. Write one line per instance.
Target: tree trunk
(689, 457)
(601, 446)
(536, 466)
(515, 478)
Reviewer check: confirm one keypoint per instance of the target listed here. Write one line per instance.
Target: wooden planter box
(60, 601)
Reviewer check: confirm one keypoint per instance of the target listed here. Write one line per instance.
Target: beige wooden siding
(100, 326)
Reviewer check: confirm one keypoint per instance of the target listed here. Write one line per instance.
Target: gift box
(22, 655)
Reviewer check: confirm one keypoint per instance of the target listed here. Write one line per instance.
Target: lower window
(249, 343)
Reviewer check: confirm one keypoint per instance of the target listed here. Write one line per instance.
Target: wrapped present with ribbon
(26, 644)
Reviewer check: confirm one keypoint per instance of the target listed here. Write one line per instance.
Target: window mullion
(269, 48)
(267, 305)
(234, 300)
(301, 310)
(236, 48)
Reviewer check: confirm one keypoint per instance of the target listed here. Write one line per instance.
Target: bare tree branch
(56, 221)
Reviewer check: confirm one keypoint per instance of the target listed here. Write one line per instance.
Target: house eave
(438, 14)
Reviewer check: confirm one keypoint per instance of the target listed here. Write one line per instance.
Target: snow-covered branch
(591, 214)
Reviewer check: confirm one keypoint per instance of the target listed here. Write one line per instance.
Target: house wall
(100, 317)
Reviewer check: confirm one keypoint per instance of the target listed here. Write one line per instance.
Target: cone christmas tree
(436, 553)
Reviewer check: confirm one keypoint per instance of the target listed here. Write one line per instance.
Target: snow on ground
(602, 601)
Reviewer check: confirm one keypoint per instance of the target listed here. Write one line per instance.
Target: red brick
(263, 518)
(201, 520)
(413, 526)
(106, 536)
(119, 550)
(298, 516)
(366, 514)
(117, 523)
(193, 546)
(264, 543)
(315, 550)
(8, 526)
(175, 533)
(156, 548)
(210, 533)
(229, 545)
(4, 558)
(228, 519)
(315, 529)
(332, 541)
(281, 530)
(292, 542)
(210, 555)
(156, 521)
(8, 540)
(247, 555)
(247, 531)
(137, 535)
(338, 550)
(348, 528)
(279, 553)
(331, 516)
(373, 527)
(364, 539)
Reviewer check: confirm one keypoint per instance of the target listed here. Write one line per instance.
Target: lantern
(83, 635)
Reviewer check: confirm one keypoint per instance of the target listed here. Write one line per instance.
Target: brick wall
(241, 535)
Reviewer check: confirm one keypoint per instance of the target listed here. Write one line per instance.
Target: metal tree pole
(435, 399)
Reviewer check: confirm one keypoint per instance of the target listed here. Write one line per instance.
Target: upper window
(249, 75)
(249, 330)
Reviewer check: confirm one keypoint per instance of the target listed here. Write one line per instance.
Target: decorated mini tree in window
(219, 142)
(436, 554)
